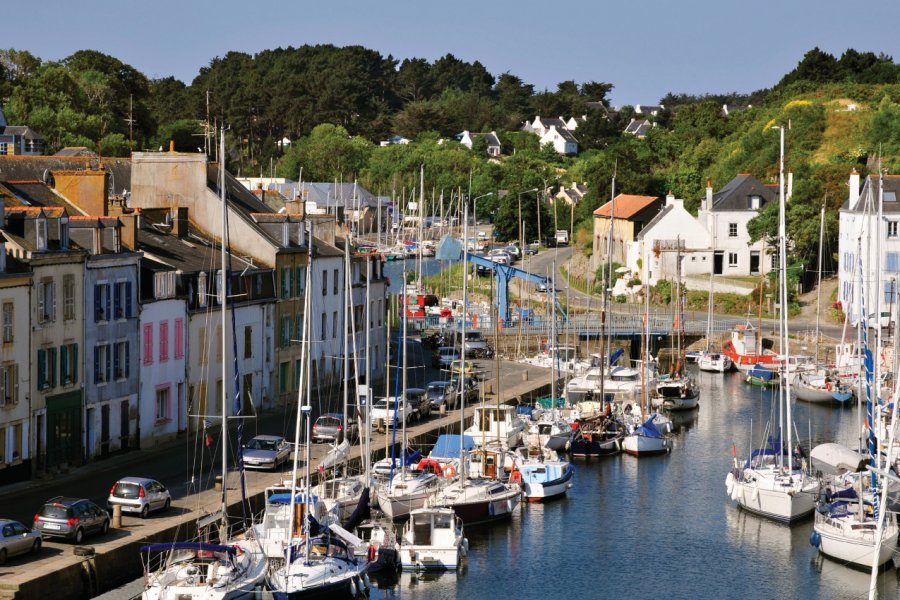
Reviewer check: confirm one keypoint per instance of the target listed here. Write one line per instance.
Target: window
(42, 369)
(371, 314)
(732, 230)
(774, 260)
(732, 259)
(324, 324)
(69, 297)
(753, 202)
(68, 364)
(164, 285)
(121, 362)
(102, 360)
(890, 292)
(892, 229)
(298, 329)
(64, 233)
(298, 372)
(162, 403)
(8, 319)
(9, 384)
(148, 344)
(46, 300)
(202, 345)
(163, 341)
(286, 282)
(41, 233)
(335, 278)
(248, 341)
(101, 302)
(122, 300)
(201, 289)
(334, 322)
(324, 283)
(380, 311)
(283, 377)
(220, 288)
(300, 281)
(285, 331)
(51, 366)
(179, 338)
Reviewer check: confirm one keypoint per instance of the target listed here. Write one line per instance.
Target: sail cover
(648, 429)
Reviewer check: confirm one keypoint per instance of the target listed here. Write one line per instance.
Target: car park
(439, 394)
(71, 518)
(330, 427)
(265, 452)
(16, 539)
(139, 495)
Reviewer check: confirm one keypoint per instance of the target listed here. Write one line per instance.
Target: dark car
(330, 427)
(441, 394)
(418, 401)
(470, 388)
(71, 518)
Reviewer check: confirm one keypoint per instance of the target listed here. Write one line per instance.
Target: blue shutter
(64, 365)
(117, 302)
(74, 359)
(128, 313)
(116, 365)
(51, 366)
(41, 368)
(108, 361)
(299, 328)
(96, 364)
(127, 360)
(97, 306)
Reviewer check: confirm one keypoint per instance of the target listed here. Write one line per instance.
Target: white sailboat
(709, 360)
(234, 569)
(770, 483)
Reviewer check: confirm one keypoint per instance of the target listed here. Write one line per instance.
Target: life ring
(515, 477)
(372, 552)
(449, 471)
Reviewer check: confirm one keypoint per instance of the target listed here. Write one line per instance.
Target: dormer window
(41, 233)
(64, 233)
(117, 240)
(754, 202)
(285, 234)
(98, 241)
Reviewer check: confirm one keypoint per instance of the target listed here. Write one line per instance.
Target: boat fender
(754, 494)
(815, 539)
(509, 506)
(515, 477)
(372, 553)
(366, 580)
(729, 483)
(491, 508)
(353, 587)
(465, 545)
(736, 492)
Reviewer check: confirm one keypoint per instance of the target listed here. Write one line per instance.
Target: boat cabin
(493, 424)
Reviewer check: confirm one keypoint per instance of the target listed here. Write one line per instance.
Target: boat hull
(399, 507)
(585, 448)
(775, 504)
(339, 590)
(856, 551)
(428, 558)
(640, 445)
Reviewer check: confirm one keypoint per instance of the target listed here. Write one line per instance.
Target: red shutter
(148, 344)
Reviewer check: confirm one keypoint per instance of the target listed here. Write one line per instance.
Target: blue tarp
(285, 498)
(524, 409)
(447, 446)
(615, 356)
(648, 429)
(194, 546)
(760, 372)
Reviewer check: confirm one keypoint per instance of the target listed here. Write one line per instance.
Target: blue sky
(645, 48)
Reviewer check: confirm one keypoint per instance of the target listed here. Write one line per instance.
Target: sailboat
(770, 483)
(646, 438)
(236, 568)
(316, 562)
(708, 360)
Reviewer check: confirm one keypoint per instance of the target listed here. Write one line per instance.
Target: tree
(327, 154)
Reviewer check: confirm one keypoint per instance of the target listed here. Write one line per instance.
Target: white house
(562, 139)
(653, 254)
(858, 237)
(466, 138)
(725, 215)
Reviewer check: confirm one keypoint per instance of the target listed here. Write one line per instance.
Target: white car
(383, 412)
(139, 495)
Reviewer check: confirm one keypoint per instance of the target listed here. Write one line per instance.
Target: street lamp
(521, 225)
(474, 209)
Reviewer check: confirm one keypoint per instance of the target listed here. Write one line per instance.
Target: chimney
(707, 204)
(180, 221)
(130, 226)
(171, 145)
(671, 200)
(854, 189)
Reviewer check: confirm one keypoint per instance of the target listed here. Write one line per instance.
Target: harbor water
(659, 526)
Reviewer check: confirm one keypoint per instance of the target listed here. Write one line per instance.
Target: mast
(348, 301)
(403, 395)
(819, 278)
(221, 292)
(709, 311)
(368, 319)
(462, 350)
(785, 342)
(605, 311)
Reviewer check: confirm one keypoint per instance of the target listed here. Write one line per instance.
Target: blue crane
(502, 276)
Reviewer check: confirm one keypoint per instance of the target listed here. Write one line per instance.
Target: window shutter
(96, 364)
(108, 361)
(41, 303)
(52, 302)
(64, 365)
(51, 366)
(299, 329)
(14, 382)
(117, 301)
(98, 307)
(42, 368)
(127, 368)
(116, 365)
(127, 299)
(108, 300)
(74, 359)
(4, 383)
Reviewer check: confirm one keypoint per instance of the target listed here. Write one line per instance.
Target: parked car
(470, 388)
(500, 256)
(385, 410)
(456, 367)
(71, 518)
(266, 452)
(139, 495)
(476, 346)
(445, 356)
(545, 287)
(439, 394)
(330, 427)
(532, 248)
(17, 539)
(513, 251)
(418, 401)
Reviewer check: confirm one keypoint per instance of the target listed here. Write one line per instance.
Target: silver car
(139, 495)
(17, 539)
(71, 518)
(265, 452)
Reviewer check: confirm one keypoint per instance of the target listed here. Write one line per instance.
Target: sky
(645, 49)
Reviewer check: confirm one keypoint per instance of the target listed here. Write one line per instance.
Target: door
(718, 262)
(104, 430)
(754, 263)
(124, 426)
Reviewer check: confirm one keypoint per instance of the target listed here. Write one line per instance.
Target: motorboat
(407, 490)
(762, 377)
(479, 500)
(340, 494)
(433, 539)
(743, 351)
(715, 362)
(543, 479)
(271, 529)
(678, 393)
(496, 425)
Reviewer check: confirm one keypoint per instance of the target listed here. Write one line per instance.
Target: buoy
(815, 539)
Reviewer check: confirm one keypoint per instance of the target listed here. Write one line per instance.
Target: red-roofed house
(629, 213)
